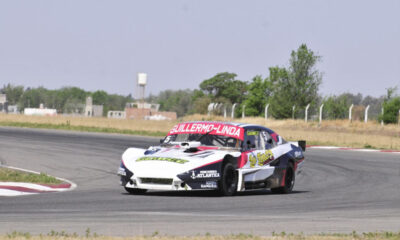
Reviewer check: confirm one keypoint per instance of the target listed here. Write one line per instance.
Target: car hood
(159, 162)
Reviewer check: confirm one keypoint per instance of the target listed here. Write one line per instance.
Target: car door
(254, 144)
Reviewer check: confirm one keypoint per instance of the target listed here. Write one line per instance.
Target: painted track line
(353, 149)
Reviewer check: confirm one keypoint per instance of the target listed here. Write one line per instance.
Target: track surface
(341, 191)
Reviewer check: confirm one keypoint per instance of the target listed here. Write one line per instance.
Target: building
(13, 109)
(93, 110)
(147, 111)
(40, 112)
(3, 103)
(116, 114)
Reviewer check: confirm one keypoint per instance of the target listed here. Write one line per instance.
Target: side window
(254, 140)
(269, 142)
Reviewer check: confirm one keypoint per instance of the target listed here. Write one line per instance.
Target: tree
(391, 106)
(225, 85)
(100, 97)
(13, 93)
(259, 91)
(336, 107)
(200, 105)
(179, 101)
(298, 85)
(282, 97)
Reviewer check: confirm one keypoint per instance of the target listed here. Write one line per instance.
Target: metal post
(293, 108)
(351, 107)
(266, 111)
(307, 112)
(320, 113)
(399, 117)
(366, 114)
(383, 111)
(233, 110)
(210, 108)
(224, 111)
(243, 114)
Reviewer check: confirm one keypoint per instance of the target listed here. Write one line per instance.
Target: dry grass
(122, 124)
(337, 133)
(333, 132)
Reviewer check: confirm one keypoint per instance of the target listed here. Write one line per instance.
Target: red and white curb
(11, 189)
(353, 149)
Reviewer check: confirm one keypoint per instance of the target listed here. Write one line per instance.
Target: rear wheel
(228, 182)
(289, 181)
(136, 191)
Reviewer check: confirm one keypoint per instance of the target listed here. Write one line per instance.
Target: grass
(275, 236)
(11, 175)
(334, 132)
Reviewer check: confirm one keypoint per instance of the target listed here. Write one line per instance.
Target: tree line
(65, 100)
(287, 90)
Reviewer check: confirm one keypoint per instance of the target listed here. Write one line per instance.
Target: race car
(222, 156)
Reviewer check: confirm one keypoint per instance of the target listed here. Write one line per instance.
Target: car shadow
(210, 193)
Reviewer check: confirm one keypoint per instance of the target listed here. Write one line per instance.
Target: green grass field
(11, 175)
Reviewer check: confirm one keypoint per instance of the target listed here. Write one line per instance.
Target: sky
(102, 45)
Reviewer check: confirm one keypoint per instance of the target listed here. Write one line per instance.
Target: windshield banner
(212, 128)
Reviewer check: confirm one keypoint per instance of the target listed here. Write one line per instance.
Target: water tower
(141, 84)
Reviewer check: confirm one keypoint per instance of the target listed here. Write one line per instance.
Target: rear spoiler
(301, 144)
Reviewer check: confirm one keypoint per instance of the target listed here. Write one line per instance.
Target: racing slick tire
(136, 191)
(229, 180)
(289, 181)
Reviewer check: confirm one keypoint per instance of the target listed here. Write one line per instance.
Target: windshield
(204, 139)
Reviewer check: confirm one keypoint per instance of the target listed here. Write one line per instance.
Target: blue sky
(103, 44)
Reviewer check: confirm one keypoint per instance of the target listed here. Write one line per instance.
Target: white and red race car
(228, 157)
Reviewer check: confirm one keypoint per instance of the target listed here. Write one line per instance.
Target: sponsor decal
(297, 154)
(166, 159)
(204, 174)
(252, 133)
(209, 184)
(213, 128)
(263, 158)
(121, 171)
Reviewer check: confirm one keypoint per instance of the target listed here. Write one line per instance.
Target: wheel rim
(289, 180)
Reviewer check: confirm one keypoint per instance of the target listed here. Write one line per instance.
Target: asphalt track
(341, 191)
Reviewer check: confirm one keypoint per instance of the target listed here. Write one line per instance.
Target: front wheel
(289, 181)
(136, 191)
(229, 180)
